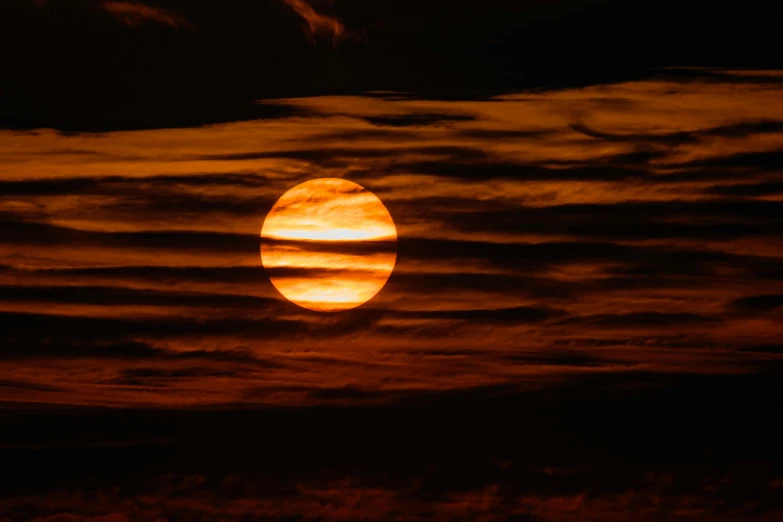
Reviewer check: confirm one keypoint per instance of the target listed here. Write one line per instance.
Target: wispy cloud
(319, 25)
(134, 14)
(129, 12)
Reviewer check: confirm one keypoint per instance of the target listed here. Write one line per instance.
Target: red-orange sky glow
(605, 215)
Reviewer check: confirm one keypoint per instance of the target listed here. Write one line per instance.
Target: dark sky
(585, 317)
(102, 65)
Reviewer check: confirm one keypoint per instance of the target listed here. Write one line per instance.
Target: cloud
(134, 14)
(341, 155)
(610, 253)
(319, 25)
(68, 517)
(167, 275)
(643, 320)
(736, 130)
(29, 386)
(760, 189)
(25, 347)
(765, 160)
(152, 113)
(21, 232)
(164, 377)
(641, 445)
(516, 315)
(90, 332)
(113, 296)
(488, 169)
(417, 119)
(719, 218)
(758, 303)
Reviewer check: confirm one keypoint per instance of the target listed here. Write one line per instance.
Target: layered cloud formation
(584, 321)
(631, 227)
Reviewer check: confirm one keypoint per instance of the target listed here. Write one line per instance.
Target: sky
(584, 316)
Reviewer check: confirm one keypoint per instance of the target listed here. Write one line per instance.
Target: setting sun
(328, 245)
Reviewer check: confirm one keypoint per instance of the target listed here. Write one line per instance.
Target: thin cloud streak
(133, 14)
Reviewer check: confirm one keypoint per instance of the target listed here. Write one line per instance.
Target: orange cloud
(133, 14)
(318, 25)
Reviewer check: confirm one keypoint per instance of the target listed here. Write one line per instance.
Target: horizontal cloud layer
(565, 232)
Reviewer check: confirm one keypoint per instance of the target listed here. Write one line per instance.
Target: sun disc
(328, 245)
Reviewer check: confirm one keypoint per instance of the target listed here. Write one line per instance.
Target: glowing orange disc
(329, 245)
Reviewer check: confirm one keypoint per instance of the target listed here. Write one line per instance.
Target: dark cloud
(664, 339)
(504, 134)
(559, 358)
(737, 130)
(726, 75)
(284, 272)
(80, 335)
(630, 259)
(153, 72)
(662, 436)
(643, 320)
(767, 161)
(35, 335)
(29, 386)
(763, 188)
(119, 185)
(517, 315)
(633, 167)
(108, 296)
(62, 342)
(167, 275)
(762, 348)
(338, 247)
(622, 169)
(417, 119)
(148, 115)
(150, 75)
(444, 283)
(401, 282)
(166, 377)
(27, 232)
(713, 219)
(28, 344)
(346, 393)
(392, 134)
(341, 155)
(758, 303)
